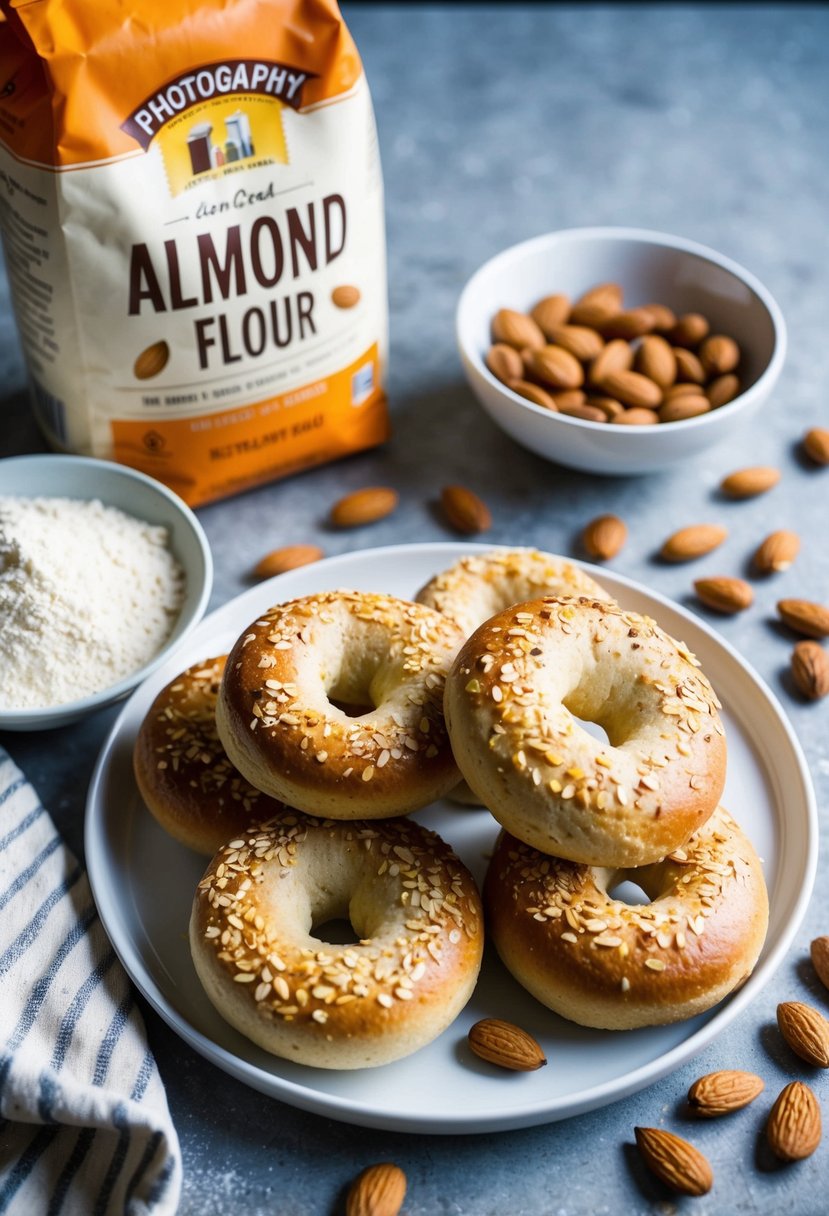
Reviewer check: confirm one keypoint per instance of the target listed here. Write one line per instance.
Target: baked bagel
(412, 904)
(513, 700)
(295, 673)
(604, 963)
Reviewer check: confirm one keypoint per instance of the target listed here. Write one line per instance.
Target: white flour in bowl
(88, 595)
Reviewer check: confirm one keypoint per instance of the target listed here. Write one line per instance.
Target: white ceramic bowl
(652, 267)
(142, 497)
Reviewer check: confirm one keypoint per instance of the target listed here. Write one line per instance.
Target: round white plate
(144, 882)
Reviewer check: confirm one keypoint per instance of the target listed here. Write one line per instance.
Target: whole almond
(568, 398)
(687, 406)
(151, 361)
(694, 541)
(346, 296)
(689, 370)
(633, 389)
(516, 329)
(794, 1127)
(581, 341)
(689, 330)
(674, 1161)
(604, 536)
(727, 595)
(289, 557)
(610, 407)
(683, 390)
(719, 354)
(810, 670)
(378, 1191)
(816, 444)
(819, 950)
(535, 393)
(364, 507)
(556, 367)
(504, 362)
(664, 319)
(637, 416)
(506, 1045)
(806, 1031)
(805, 616)
(464, 510)
(722, 390)
(587, 413)
(718, 1093)
(777, 552)
(656, 360)
(597, 306)
(746, 483)
(550, 313)
(617, 356)
(629, 325)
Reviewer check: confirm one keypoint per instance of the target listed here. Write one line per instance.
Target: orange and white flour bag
(192, 213)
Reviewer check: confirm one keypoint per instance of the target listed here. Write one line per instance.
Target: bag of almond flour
(192, 214)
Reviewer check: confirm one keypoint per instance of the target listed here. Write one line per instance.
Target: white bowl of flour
(103, 572)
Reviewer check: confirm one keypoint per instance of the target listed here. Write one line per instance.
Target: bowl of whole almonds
(618, 350)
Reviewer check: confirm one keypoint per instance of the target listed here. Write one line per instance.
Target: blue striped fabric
(84, 1123)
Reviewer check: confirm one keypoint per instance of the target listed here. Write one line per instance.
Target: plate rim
(360, 1112)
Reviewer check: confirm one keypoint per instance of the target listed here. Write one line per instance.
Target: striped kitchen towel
(84, 1124)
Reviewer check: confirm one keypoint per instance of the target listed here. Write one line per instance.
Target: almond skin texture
(346, 296)
(550, 313)
(687, 406)
(516, 329)
(556, 367)
(633, 389)
(637, 416)
(629, 325)
(810, 671)
(582, 342)
(506, 1045)
(794, 1127)
(568, 398)
(151, 361)
(748, 483)
(806, 1031)
(691, 542)
(806, 617)
(604, 537)
(722, 390)
(587, 413)
(364, 507)
(610, 407)
(777, 552)
(689, 370)
(535, 393)
(719, 354)
(656, 360)
(718, 1093)
(819, 951)
(674, 1161)
(816, 445)
(617, 356)
(663, 317)
(289, 557)
(597, 306)
(464, 510)
(379, 1191)
(726, 595)
(504, 362)
(689, 330)
(683, 390)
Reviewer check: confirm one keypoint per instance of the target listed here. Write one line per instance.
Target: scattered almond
(364, 507)
(633, 389)
(718, 1093)
(378, 1191)
(504, 362)
(689, 330)
(747, 483)
(289, 557)
(688, 367)
(604, 537)
(674, 1161)
(582, 342)
(506, 1045)
(535, 393)
(806, 617)
(464, 510)
(346, 296)
(810, 670)
(656, 360)
(693, 541)
(516, 329)
(726, 595)
(777, 552)
(816, 445)
(689, 405)
(806, 1031)
(719, 354)
(794, 1127)
(631, 324)
(722, 390)
(551, 312)
(819, 951)
(637, 416)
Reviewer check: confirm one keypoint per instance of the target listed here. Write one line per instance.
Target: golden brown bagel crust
(282, 732)
(414, 905)
(182, 770)
(478, 586)
(604, 963)
(512, 704)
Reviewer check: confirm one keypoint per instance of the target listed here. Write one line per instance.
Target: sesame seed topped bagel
(602, 962)
(513, 702)
(296, 672)
(182, 770)
(480, 585)
(412, 904)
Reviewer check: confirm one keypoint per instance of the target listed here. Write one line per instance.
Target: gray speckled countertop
(497, 123)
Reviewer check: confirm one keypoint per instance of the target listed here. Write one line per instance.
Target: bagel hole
(338, 931)
(628, 892)
(593, 728)
(350, 709)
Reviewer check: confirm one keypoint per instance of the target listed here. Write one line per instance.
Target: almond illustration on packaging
(225, 232)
